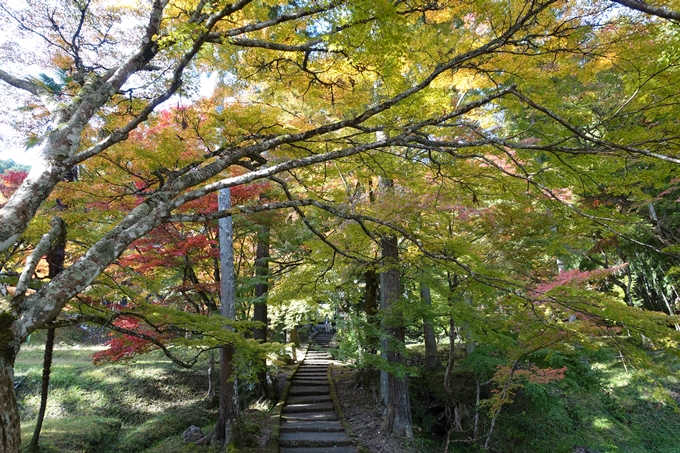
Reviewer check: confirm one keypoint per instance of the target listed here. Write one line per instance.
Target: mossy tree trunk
(10, 429)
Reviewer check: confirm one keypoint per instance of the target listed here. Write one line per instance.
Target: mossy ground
(143, 406)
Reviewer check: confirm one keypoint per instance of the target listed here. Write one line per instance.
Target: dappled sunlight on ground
(602, 423)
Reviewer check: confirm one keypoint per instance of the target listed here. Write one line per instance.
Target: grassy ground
(144, 406)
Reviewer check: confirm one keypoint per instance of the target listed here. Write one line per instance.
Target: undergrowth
(143, 406)
(600, 406)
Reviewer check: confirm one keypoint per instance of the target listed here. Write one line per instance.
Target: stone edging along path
(309, 421)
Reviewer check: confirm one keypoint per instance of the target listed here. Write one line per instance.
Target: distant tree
(7, 165)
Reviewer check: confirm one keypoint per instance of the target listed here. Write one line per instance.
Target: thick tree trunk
(260, 308)
(431, 360)
(371, 308)
(226, 429)
(262, 286)
(398, 420)
(10, 429)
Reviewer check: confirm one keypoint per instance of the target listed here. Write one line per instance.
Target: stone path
(309, 423)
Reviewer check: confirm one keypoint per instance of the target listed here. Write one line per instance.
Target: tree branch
(40, 250)
(646, 8)
(22, 84)
(589, 138)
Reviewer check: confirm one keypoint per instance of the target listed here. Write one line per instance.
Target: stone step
(303, 381)
(308, 407)
(309, 416)
(322, 426)
(318, 450)
(323, 373)
(308, 399)
(309, 390)
(313, 439)
(307, 381)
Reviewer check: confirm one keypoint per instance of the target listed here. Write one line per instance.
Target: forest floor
(144, 406)
(365, 413)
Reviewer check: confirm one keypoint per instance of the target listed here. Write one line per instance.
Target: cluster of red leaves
(166, 247)
(123, 347)
(169, 245)
(509, 379)
(239, 195)
(576, 277)
(9, 182)
(536, 375)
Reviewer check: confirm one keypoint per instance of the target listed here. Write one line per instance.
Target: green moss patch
(76, 435)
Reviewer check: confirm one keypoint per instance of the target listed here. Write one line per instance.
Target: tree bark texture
(226, 429)
(262, 286)
(227, 422)
(260, 307)
(10, 429)
(398, 420)
(431, 359)
(371, 308)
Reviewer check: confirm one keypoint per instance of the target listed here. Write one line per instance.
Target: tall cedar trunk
(55, 260)
(371, 308)
(398, 420)
(262, 273)
(226, 429)
(431, 360)
(10, 429)
(260, 308)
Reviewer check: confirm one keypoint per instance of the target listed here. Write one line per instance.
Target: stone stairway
(309, 423)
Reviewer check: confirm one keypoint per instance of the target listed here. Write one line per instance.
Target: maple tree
(487, 115)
